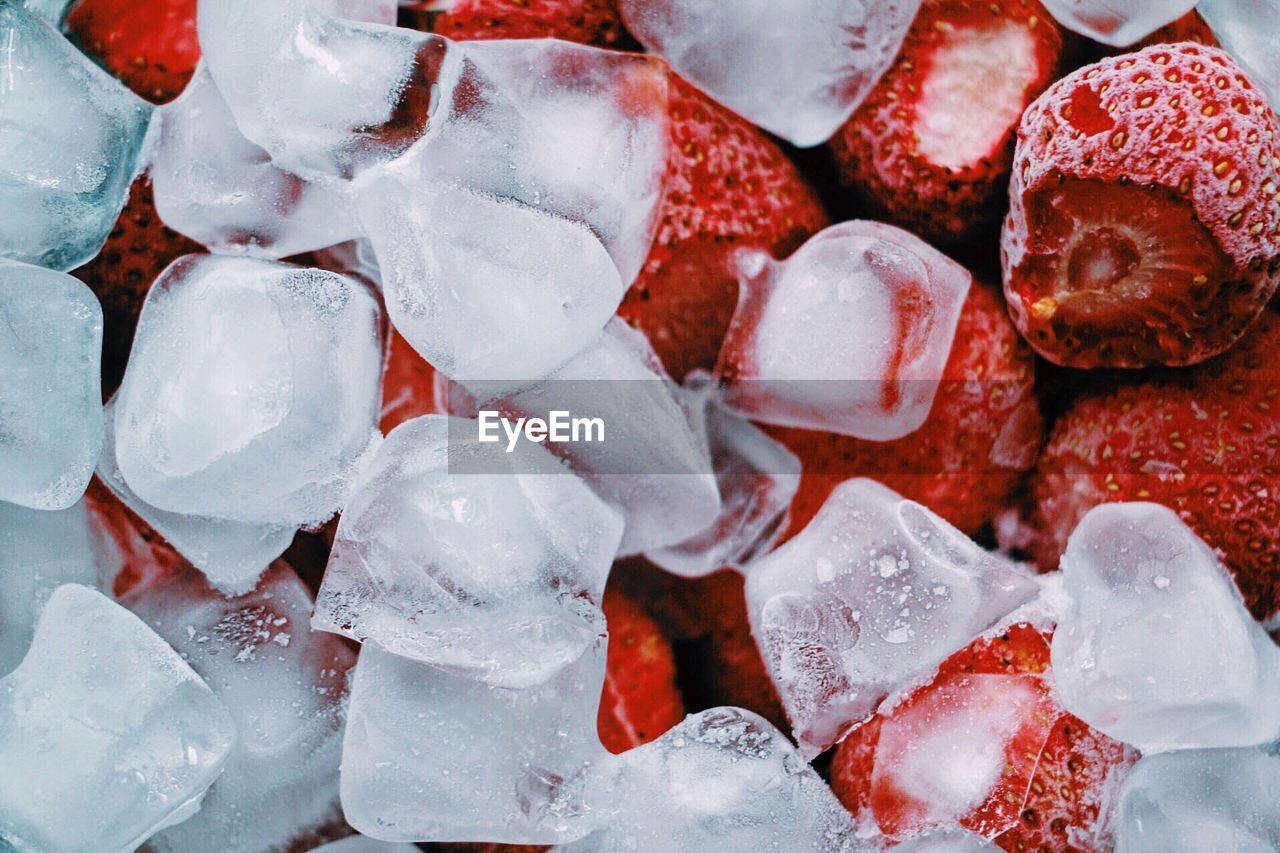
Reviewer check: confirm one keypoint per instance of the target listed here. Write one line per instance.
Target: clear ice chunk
(1246, 29)
(50, 386)
(757, 476)
(218, 188)
(1116, 23)
(106, 735)
(497, 575)
(946, 840)
(874, 593)
(723, 780)
(430, 756)
(52, 11)
(1157, 648)
(284, 686)
(834, 51)
(364, 844)
(251, 392)
(849, 335)
(1199, 800)
(70, 138)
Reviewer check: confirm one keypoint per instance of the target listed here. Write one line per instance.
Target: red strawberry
(931, 146)
(981, 436)
(586, 21)
(408, 385)
(640, 699)
(1205, 442)
(139, 247)
(1190, 27)
(1144, 225)
(149, 44)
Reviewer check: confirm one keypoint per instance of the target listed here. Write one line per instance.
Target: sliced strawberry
(586, 21)
(640, 700)
(931, 146)
(408, 386)
(150, 45)
(1144, 225)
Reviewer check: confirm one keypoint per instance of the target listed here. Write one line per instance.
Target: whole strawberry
(1144, 221)
(640, 700)
(931, 146)
(150, 45)
(587, 21)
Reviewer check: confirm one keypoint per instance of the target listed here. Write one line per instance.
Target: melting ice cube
(1118, 24)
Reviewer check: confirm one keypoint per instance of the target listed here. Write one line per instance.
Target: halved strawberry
(931, 146)
(1144, 225)
(640, 699)
(150, 45)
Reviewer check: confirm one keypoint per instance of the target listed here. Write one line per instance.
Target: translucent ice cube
(757, 477)
(947, 840)
(497, 575)
(849, 335)
(1200, 800)
(50, 385)
(1118, 23)
(364, 844)
(220, 189)
(52, 11)
(283, 684)
(70, 136)
(1157, 649)
(251, 392)
(1246, 29)
(722, 780)
(106, 735)
(873, 593)
(430, 756)
(800, 78)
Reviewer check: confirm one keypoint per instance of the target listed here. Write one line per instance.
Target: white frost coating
(849, 335)
(1158, 649)
(1118, 23)
(1247, 30)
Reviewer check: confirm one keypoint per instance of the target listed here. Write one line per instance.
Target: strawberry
(150, 45)
(1144, 225)
(1205, 442)
(138, 248)
(640, 699)
(1190, 27)
(408, 386)
(586, 21)
(931, 146)
(982, 434)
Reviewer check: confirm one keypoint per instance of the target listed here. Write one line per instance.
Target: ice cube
(497, 575)
(1157, 648)
(430, 756)
(872, 594)
(800, 78)
(364, 844)
(849, 335)
(106, 735)
(232, 554)
(50, 385)
(284, 685)
(650, 464)
(38, 552)
(1200, 800)
(220, 189)
(1246, 30)
(251, 392)
(757, 477)
(52, 11)
(70, 137)
(722, 780)
(946, 840)
(1118, 24)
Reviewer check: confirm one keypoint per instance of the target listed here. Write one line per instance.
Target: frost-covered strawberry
(1144, 225)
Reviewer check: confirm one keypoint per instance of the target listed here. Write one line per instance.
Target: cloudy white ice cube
(849, 335)
(106, 735)
(50, 385)
(946, 840)
(872, 594)
(1157, 648)
(1246, 29)
(251, 392)
(364, 844)
(1114, 23)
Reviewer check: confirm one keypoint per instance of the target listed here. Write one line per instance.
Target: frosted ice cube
(52, 11)
(232, 554)
(105, 734)
(38, 552)
(722, 780)
(364, 844)
(283, 684)
(252, 390)
(650, 465)
(1246, 28)
(872, 594)
(800, 79)
(70, 137)
(430, 756)
(757, 477)
(497, 575)
(1199, 800)
(848, 335)
(1115, 23)
(946, 840)
(1157, 648)
(50, 386)
(220, 189)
